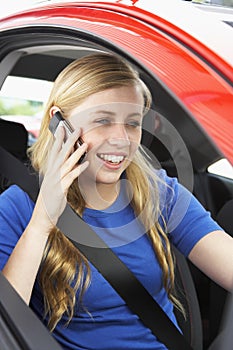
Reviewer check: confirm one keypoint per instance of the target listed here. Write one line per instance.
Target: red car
(188, 67)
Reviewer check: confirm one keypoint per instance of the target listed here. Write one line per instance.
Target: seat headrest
(14, 138)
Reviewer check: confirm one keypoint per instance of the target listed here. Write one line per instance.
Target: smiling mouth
(111, 158)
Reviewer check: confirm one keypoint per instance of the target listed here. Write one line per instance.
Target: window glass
(22, 100)
(227, 3)
(222, 167)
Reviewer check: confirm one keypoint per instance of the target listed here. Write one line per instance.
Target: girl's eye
(133, 123)
(103, 121)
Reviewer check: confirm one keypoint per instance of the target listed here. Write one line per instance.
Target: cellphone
(54, 122)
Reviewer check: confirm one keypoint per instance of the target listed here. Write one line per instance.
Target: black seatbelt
(102, 257)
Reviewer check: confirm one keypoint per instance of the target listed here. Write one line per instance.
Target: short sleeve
(15, 212)
(187, 221)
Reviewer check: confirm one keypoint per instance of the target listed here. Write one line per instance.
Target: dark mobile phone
(55, 120)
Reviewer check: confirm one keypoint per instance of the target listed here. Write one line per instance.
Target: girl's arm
(213, 254)
(22, 266)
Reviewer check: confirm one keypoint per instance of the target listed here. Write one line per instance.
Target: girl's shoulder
(14, 192)
(165, 179)
(16, 209)
(168, 187)
(14, 201)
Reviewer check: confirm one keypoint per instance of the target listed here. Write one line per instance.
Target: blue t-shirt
(109, 324)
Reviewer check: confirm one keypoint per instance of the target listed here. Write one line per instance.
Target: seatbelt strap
(102, 257)
(122, 280)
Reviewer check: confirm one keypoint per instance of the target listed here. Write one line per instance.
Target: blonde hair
(64, 270)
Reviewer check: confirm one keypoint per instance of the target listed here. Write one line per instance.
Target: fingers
(73, 159)
(59, 137)
(62, 170)
(61, 150)
(74, 174)
(70, 144)
(64, 157)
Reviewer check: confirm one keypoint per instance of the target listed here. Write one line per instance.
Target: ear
(53, 110)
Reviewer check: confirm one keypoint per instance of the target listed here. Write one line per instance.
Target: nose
(119, 136)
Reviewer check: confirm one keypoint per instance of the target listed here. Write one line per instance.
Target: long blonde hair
(64, 270)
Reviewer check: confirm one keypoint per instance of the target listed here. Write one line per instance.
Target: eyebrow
(103, 112)
(109, 113)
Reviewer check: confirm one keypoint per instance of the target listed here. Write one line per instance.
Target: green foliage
(3, 110)
(19, 107)
(228, 3)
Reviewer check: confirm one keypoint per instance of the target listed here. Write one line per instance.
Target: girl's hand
(62, 170)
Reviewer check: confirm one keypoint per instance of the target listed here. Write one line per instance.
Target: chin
(108, 179)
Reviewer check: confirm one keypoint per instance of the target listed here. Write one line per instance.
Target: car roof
(209, 30)
(206, 24)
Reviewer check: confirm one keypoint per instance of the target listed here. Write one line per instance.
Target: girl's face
(111, 126)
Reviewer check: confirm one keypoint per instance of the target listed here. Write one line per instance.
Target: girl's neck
(99, 196)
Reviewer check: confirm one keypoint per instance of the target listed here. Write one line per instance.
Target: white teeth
(111, 158)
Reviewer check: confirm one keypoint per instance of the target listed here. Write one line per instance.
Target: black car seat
(224, 217)
(218, 295)
(14, 139)
(186, 292)
(224, 340)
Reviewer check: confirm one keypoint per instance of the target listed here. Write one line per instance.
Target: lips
(111, 158)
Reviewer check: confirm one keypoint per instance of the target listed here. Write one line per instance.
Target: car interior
(171, 136)
(19, 325)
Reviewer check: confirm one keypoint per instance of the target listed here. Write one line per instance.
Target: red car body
(197, 75)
